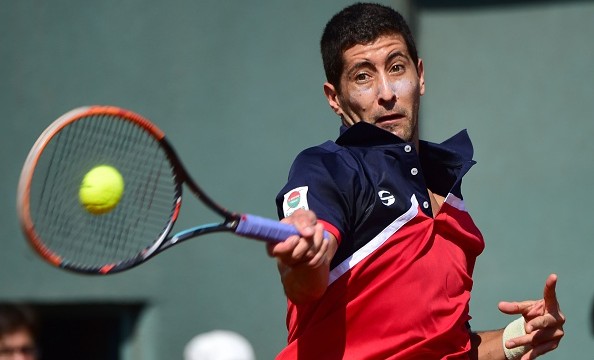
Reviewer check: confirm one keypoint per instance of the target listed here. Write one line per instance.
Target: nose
(386, 93)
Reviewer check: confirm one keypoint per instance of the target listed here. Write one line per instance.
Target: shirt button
(407, 148)
(414, 171)
(426, 205)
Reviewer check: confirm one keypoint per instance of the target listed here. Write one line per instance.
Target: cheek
(360, 98)
(405, 89)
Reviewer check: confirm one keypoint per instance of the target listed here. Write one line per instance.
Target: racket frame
(180, 177)
(245, 225)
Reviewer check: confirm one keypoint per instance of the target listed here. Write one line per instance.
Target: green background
(237, 87)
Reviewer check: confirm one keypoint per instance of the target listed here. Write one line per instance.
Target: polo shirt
(401, 279)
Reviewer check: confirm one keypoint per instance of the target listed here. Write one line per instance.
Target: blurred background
(237, 87)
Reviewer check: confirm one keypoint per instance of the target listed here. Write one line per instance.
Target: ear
(421, 74)
(332, 97)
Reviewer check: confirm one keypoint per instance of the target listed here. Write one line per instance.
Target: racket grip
(260, 228)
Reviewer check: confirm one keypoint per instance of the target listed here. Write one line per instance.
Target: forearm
(303, 283)
(304, 260)
(487, 345)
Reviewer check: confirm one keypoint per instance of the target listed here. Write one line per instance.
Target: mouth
(391, 118)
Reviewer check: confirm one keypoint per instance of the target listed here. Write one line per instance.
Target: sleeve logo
(295, 199)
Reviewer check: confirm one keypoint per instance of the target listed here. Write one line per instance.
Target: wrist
(514, 330)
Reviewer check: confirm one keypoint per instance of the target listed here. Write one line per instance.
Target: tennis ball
(101, 189)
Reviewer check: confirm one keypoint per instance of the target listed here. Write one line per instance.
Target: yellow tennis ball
(101, 189)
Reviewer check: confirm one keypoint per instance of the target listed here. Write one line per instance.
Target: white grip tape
(513, 330)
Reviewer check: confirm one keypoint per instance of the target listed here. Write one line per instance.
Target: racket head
(60, 229)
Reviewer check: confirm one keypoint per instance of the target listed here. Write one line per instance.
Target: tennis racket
(68, 236)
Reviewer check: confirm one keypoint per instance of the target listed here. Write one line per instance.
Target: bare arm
(486, 345)
(543, 325)
(304, 261)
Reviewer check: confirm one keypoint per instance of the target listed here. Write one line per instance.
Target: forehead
(378, 50)
(17, 337)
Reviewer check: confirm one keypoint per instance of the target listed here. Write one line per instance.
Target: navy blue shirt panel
(445, 164)
(352, 180)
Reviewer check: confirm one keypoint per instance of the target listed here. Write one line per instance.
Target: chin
(403, 134)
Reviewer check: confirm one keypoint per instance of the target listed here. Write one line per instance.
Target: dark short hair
(15, 317)
(360, 23)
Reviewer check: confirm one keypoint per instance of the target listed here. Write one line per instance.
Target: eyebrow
(398, 54)
(360, 65)
(367, 63)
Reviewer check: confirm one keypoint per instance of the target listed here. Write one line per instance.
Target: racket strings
(140, 218)
(145, 196)
(145, 156)
(51, 202)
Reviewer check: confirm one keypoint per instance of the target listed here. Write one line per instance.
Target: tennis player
(394, 278)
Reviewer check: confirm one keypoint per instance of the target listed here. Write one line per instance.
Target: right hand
(309, 248)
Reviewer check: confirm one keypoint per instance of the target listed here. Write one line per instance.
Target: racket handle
(260, 228)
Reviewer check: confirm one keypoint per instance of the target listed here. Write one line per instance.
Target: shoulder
(328, 148)
(328, 156)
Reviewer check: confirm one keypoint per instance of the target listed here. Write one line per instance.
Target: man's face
(380, 85)
(18, 345)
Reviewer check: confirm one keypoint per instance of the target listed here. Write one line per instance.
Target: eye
(361, 77)
(397, 68)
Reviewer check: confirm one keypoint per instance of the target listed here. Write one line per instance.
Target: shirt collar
(365, 134)
(457, 148)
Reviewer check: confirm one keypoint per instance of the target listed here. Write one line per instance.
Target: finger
(547, 335)
(283, 248)
(304, 222)
(319, 236)
(540, 349)
(545, 322)
(550, 294)
(527, 356)
(524, 340)
(315, 242)
(535, 339)
(516, 307)
(303, 248)
(320, 257)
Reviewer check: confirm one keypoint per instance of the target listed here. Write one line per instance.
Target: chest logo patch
(386, 197)
(295, 199)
